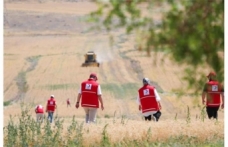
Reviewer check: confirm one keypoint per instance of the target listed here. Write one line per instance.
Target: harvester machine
(90, 59)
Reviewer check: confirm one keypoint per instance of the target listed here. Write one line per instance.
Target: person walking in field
(39, 110)
(50, 108)
(90, 95)
(68, 102)
(212, 93)
(149, 101)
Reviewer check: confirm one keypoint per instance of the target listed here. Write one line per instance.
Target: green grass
(21, 82)
(107, 116)
(59, 86)
(121, 91)
(33, 60)
(6, 103)
(125, 90)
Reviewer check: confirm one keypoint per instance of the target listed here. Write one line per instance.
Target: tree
(191, 31)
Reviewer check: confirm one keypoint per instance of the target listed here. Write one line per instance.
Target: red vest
(39, 109)
(51, 105)
(89, 94)
(213, 90)
(147, 99)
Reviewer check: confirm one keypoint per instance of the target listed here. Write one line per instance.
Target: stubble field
(44, 47)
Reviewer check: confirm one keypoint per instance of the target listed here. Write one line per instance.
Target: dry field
(44, 47)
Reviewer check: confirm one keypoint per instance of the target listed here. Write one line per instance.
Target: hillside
(44, 47)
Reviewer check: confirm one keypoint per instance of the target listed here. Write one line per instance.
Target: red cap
(211, 74)
(93, 75)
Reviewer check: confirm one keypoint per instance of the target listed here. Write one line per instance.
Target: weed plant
(24, 131)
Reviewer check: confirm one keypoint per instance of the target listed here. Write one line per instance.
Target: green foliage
(11, 131)
(28, 132)
(6, 103)
(105, 138)
(74, 133)
(191, 32)
(195, 35)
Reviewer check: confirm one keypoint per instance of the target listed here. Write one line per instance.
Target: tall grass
(24, 131)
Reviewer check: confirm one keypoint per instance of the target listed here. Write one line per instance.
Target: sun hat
(93, 75)
(146, 81)
(211, 74)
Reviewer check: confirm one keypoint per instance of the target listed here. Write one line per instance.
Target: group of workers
(148, 99)
(50, 109)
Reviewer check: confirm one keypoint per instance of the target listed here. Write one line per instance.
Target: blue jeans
(50, 116)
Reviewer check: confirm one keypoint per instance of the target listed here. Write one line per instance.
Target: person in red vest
(68, 102)
(39, 113)
(212, 93)
(90, 95)
(50, 108)
(149, 101)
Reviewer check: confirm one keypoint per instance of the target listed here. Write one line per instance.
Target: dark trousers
(212, 112)
(156, 115)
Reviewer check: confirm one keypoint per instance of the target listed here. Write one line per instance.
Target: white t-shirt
(98, 90)
(149, 112)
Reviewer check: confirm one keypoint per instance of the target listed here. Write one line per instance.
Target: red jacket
(68, 101)
(39, 109)
(147, 99)
(89, 94)
(51, 105)
(213, 89)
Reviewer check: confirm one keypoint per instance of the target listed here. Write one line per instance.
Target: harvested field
(44, 47)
